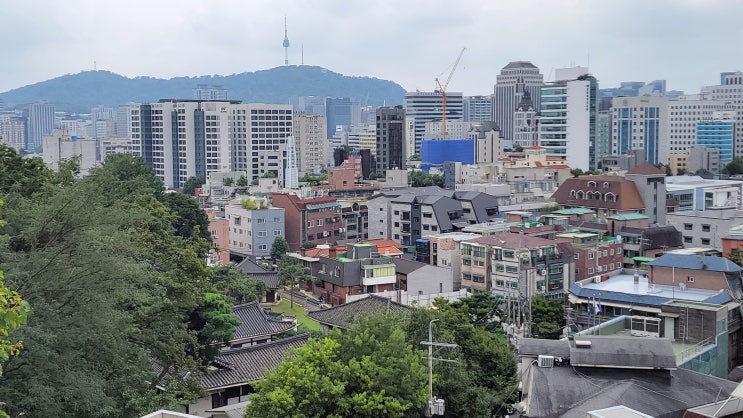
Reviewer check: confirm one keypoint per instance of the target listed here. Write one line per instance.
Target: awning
(643, 259)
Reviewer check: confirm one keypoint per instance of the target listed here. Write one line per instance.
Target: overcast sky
(411, 42)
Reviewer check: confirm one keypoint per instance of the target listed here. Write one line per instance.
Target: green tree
(735, 257)
(734, 167)
(370, 370)
(236, 285)
(576, 172)
(420, 179)
(189, 187)
(548, 317)
(292, 274)
(189, 220)
(415, 157)
(227, 182)
(26, 176)
(279, 248)
(215, 324)
(242, 181)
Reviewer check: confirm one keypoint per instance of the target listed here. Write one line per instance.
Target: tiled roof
(385, 243)
(249, 364)
(256, 272)
(513, 241)
(254, 322)
(625, 191)
(573, 391)
(696, 262)
(342, 316)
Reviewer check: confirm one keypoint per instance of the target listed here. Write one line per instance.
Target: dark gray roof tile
(342, 316)
(255, 322)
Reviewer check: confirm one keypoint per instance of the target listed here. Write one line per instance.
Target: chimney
(332, 252)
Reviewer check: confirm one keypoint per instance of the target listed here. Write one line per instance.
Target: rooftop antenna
(302, 54)
(286, 44)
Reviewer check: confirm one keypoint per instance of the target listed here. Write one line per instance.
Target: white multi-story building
(455, 129)
(310, 134)
(60, 145)
(569, 108)
(640, 123)
(731, 90)
(13, 130)
(683, 115)
(422, 107)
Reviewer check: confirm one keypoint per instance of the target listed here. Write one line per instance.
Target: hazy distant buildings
(569, 109)
(718, 133)
(338, 114)
(40, 122)
(525, 123)
(310, 134)
(390, 139)
(422, 107)
(641, 123)
(13, 130)
(59, 145)
(478, 108)
(514, 79)
(683, 115)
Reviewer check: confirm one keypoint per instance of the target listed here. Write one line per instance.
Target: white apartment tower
(310, 134)
(683, 115)
(569, 108)
(514, 79)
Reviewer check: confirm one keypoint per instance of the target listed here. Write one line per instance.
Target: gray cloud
(409, 41)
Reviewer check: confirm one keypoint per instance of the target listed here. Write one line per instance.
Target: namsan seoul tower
(286, 44)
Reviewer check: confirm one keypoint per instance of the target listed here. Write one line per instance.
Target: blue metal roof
(696, 262)
(647, 300)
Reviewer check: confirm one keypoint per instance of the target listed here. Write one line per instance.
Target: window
(705, 228)
(590, 270)
(705, 241)
(310, 224)
(577, 256)
(478, 278)
(319, 222)
(466, 276)
(688, 227)
(427, 215)
(690, 279)
(508, 253)
(260, 220)
(611, 251)
(277, 232)
(606, 253)
(512, 269)
(687, 239)
(500, 267)
(466, 261)
(590, 256)
(263, 247)
(479, 263)
(606, 185)
(277, 219)
(262, 233)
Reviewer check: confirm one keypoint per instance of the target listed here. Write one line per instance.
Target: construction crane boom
(442, 89)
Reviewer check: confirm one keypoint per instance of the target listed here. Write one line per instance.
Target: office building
(683, 115)
(514, 80)
(731, 90)
(525, 123)
(59, 146)
(641, 123)
(390, 139)
(310, 134)
(422, 107)
(718, 133)
(40, 122)
(569, 110)
(338, 114)
(478, 108)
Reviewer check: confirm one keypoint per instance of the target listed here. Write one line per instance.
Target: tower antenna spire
(286, 44)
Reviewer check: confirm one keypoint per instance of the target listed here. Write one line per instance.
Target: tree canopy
(423, 179)
(114, 284)
(279, 248)
(189, 187)
(734, 167)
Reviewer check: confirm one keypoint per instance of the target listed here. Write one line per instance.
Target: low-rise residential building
(309, 218)
(444, 250)
(406, 215)
(355, 220)
(418, 278)
(697, 193)
(358, 271)
(514, 264)
(219, 229)
(706, 228)
(254, 225)
(591, 254)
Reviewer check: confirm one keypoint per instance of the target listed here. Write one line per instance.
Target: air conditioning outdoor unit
(546, 361)
(597, 279)
(542, 272)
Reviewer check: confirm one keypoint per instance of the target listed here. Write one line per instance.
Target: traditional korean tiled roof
(342, 316)
(249, 364)
(255, 322)
(255, 271)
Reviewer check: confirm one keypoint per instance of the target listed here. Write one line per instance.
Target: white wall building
(60, 146)
(310, 134)
(683, 115)
(731, 89)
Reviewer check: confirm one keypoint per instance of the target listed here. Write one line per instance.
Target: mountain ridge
(86, 89)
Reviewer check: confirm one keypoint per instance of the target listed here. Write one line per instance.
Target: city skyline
(410, 43)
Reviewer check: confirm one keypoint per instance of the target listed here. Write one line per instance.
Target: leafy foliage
(292, 274)
(113, 285)
(279, 248)
(189, 187)
(214, 324)
(370, 370)
(235, 285)
(243, 181)
(314, 180)
(548, 317)
(423, 179)
(189, 220)
(734, 167)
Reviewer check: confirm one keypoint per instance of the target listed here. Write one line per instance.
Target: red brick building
(316, 219)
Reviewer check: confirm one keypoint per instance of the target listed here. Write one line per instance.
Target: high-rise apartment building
(569, 109)
(514, 79)
(40, 122)
(422, 107)
(641, 123)
(731, 89)
(390, 139)
(478, 108)
(310, 134)
(602, 148)
(13, 130)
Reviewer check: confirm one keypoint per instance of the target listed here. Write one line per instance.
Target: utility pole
(434, 406)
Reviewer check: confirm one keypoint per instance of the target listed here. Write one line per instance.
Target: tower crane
(442, 89)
